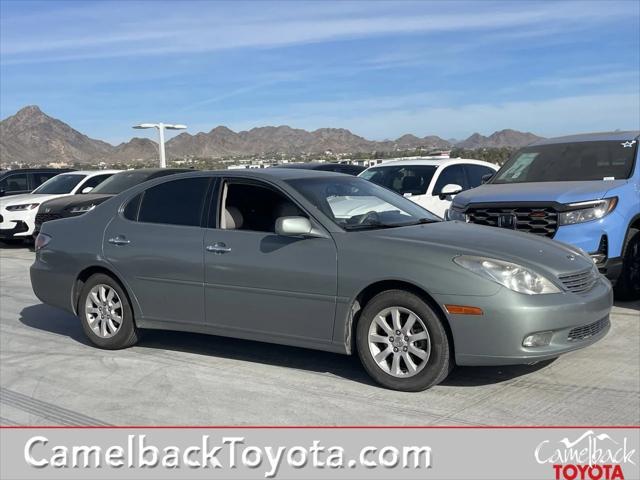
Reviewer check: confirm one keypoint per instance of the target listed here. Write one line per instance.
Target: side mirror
(86, 189)
(293, 226)
(449, 190)
(2, 193)
(486, 177)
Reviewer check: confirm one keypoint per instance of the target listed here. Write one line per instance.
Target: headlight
(82, 208)
(514, 277)
(587, 211)
(452, 214)
(26, 206)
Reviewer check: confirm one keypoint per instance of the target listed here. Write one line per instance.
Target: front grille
(538, 220)
(580, 282)
(45, 217)
(587, 331)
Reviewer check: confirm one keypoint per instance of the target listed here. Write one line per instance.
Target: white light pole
(161, 127)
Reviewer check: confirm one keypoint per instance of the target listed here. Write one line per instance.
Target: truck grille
(45, 217)
(580, 282)
(538, 220)
(587, 331)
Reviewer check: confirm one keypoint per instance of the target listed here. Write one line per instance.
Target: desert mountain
(32, 137)
(503, 138)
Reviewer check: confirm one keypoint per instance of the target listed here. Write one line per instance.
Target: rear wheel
(402, 342)
(628, 284)
(105, 313)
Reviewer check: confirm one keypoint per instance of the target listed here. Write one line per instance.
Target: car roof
(618, 136)
(4, 173)
(92, 172)
(307, 165)
(151, 171)
(267, 173)
(433, 162)
(311, 165)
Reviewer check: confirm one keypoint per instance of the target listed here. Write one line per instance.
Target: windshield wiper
(368, 226)
(375, 225)
(424, 220)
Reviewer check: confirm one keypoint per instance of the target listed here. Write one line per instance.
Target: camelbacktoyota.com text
(136, 451)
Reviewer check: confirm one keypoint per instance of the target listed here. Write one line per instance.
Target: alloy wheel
(399, 342)
(103, 310)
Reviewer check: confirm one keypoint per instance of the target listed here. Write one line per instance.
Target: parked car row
(18, 212)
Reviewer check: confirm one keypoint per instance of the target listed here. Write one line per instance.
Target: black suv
(25, 180)
(325, 167)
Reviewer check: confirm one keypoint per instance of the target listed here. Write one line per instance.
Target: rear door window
(453, 174)
(15, 183)
(177, 202)
(475, 174)
(94, 181)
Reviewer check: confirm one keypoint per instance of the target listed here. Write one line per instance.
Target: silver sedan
(324, 261)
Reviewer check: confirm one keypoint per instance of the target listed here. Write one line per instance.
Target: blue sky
(380, 69)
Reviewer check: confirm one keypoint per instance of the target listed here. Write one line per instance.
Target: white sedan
(18, 212)
(431, 183)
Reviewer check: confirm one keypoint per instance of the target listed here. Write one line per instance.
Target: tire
(628, 284)
(438, 361)
(98, 318)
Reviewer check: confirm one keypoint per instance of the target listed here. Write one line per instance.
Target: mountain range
(32, 137)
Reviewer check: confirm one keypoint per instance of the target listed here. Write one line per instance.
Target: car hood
(561, 192)
(458, 238)
(62, 203)
(27, 198)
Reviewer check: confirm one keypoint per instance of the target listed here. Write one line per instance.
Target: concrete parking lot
(49, 374)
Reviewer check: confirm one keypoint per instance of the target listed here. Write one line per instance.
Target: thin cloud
(205, 32)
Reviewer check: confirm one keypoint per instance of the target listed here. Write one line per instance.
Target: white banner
(335, 453)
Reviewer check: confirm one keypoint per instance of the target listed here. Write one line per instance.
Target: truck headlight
(25, 206)
(82, 208)
(510, 275)
(453, 214)
(587, 211)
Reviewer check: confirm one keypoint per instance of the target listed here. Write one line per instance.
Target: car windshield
(404, 179)
(59, 184)
(120, 182)
(566, 162)
(356, 204)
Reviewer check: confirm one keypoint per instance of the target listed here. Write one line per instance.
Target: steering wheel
(369, 217)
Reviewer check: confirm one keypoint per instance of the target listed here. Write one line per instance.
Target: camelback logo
(589, 457)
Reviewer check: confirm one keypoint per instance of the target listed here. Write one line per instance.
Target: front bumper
(496, 337)
(17, 224)
(18, 231)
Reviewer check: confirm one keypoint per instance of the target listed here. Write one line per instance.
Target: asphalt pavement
(51, 375)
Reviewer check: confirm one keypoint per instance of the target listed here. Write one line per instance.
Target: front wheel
(628, 284)
(402, 342)
(105, 313)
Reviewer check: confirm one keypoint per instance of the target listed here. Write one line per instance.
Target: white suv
(431, 184)
(18, 212)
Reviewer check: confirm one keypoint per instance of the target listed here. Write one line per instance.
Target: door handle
(218, 248)
(119, 240)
